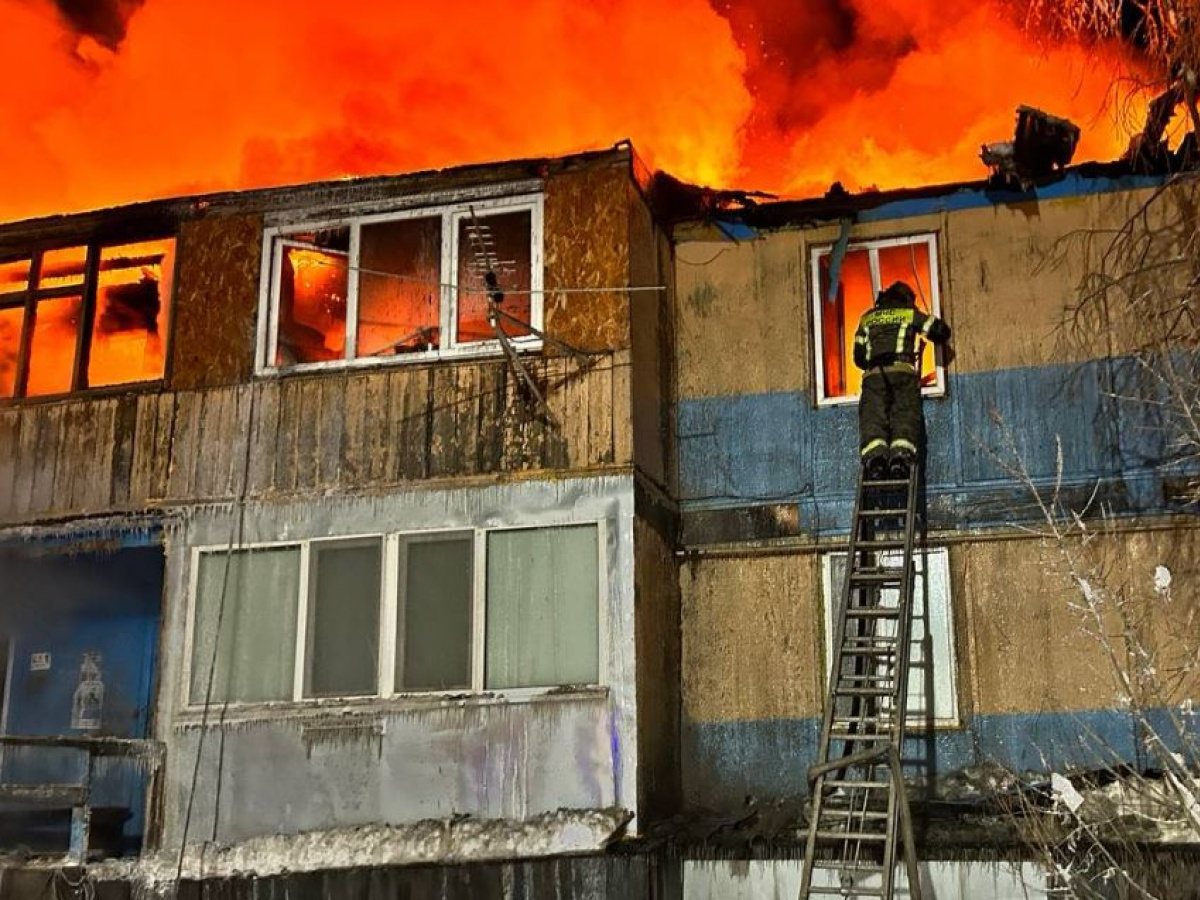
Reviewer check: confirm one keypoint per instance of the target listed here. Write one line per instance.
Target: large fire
(109, 102)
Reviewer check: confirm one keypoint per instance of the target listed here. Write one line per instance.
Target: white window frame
(389, 611)
(938, 388)
(941, 636)
(450, 214)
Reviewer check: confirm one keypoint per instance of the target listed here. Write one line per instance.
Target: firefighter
(887, 347)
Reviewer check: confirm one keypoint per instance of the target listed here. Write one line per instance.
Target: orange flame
(784, 95)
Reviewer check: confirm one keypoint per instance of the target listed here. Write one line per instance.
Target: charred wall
(351, 431)
(187, 440)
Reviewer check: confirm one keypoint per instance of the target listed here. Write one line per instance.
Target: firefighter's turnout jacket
(887, 349)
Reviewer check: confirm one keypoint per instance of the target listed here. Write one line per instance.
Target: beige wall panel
(743, 325)
(751, 638)
(1031, 649)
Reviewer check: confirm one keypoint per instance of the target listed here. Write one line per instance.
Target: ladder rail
(905, 604)
(864, 695)
(817, 785)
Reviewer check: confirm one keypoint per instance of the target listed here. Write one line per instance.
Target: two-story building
(476, 532)
(334, 530)
(1010, 681)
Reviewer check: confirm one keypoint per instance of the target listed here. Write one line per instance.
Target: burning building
(474, 532)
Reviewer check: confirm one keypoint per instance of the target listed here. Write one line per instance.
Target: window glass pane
(63, 267)
(910, 263)
(400, 311)
(343, 623)
(932, 692)
(839, 319)
(14, 276)
(256, 647)
(133, 295)
(52, 355)
(312, 296)
(434, 625)
(10, 347)
(542, 607)
(501, 244)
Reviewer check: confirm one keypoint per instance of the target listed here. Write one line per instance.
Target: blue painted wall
(729, 761)
(68, 605)
(781, 448)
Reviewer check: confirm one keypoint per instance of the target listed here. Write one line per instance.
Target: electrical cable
(236, 538)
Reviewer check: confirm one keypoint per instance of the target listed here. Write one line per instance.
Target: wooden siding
(351, 431)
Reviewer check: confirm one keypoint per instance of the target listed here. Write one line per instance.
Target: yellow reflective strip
(873, 445)
(902, 444)
(927, 325)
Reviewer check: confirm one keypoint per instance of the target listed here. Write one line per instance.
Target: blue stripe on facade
(726, 762)
(782, 448)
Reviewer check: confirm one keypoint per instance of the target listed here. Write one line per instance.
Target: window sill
(487, 350)
(299, 711)
(97, 393)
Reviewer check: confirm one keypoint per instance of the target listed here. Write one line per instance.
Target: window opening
(84, 316)
(868, 267)
(932, 674)
(409, 284)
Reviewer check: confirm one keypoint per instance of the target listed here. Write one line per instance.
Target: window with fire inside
(428, 283)
(377, 616)
(844, 286)
(84, 316)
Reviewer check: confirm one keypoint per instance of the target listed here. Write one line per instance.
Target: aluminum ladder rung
(877, 837)
(871, 814)
(865, 785)
(851, 891)
(873, 612)
(858, 796)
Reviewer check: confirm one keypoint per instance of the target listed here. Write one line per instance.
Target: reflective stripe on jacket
(889, 334)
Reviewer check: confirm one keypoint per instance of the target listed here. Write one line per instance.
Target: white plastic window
(405, 285)
(457, 611)
(932, 675)
(867, 268)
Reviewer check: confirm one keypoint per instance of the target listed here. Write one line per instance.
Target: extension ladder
(859, 806)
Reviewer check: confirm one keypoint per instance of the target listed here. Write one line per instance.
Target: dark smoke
(104, 20)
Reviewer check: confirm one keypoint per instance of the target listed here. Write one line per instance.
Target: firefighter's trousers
(889, 410)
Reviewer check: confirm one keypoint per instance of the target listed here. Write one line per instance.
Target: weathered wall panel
(347, 431)
(216, 301)
(1036, 691)
(587, 246)
(657, 657)
(292, 769)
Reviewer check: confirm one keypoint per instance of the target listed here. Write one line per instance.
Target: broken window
(399, 614)
(863, 271)
(932, 671)
(84, 316)
(497, 244)
(408, 285)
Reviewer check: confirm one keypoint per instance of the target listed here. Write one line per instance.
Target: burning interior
(87, 316)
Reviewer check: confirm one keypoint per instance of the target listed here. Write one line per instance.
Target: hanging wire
(416, 279)
(237, 533)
